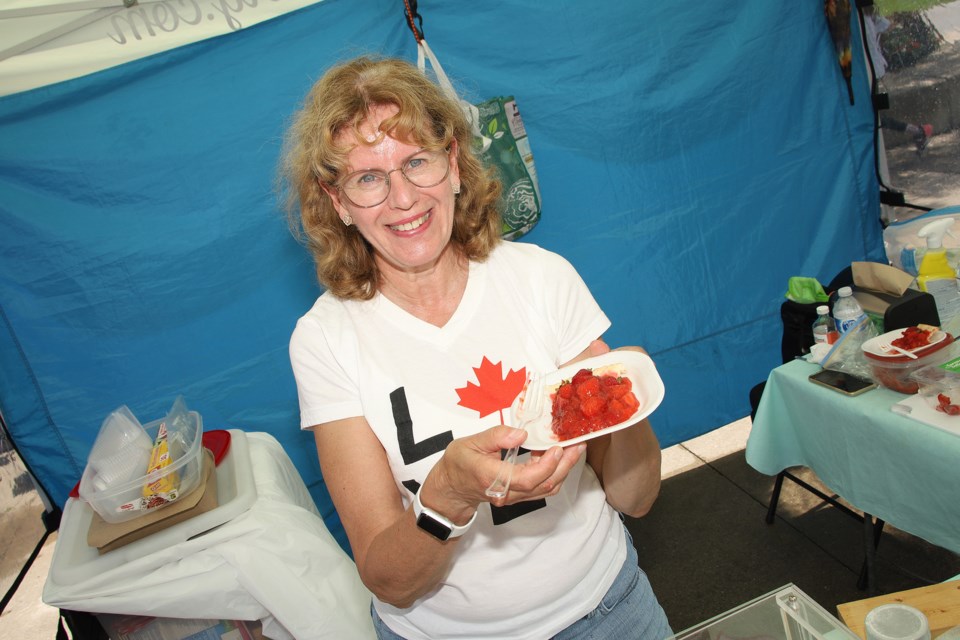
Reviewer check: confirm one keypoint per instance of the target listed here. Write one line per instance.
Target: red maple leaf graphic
(495, 392)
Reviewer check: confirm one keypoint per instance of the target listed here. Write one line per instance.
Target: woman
(406, 367)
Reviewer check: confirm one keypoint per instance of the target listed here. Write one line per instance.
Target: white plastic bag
(905, 249)
(846, 354)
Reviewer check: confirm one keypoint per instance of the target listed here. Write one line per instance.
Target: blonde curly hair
(312, 157)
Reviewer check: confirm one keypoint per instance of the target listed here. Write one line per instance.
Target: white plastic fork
(530, 408)
(886, 346)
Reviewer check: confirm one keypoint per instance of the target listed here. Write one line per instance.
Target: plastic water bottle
(824, 331)
(847, 312)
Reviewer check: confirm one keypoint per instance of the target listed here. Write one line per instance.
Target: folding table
(891, 467)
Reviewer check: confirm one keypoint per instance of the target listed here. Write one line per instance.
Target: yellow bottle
(935, 275)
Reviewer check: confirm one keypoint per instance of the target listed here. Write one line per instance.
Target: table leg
(872, 529)
(79, 624)
(775, 497)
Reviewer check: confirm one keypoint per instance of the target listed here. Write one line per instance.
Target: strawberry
(944, 405)
(589, 403)
(589, 387)
(631, 401)
(618, 411)
(580, 376)
(619, 388)
(592, 406)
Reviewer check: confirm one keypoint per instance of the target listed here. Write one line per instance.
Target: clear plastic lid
(896, 621)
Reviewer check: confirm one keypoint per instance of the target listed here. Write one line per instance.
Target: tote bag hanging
(501, 140)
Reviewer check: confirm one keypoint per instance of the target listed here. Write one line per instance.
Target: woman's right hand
(398, 562)
(457, 484)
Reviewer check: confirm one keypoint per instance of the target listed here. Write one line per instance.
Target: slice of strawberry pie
(590, 401)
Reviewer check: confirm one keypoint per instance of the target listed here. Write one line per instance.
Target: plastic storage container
(896, 373)
(121, 452)
(941, 380)
(896, 621)
(120, 502)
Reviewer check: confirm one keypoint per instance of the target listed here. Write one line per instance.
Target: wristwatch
(438, 526)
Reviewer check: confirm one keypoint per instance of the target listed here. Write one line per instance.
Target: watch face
(433, 527)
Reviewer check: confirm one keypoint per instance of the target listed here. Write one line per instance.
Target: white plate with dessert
(612, 371)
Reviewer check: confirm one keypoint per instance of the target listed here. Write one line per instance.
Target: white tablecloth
(276, 563)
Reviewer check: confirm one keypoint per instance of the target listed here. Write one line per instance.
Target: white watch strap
(455, 530)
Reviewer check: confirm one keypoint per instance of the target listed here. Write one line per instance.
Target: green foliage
(909, 40)
(888, 7)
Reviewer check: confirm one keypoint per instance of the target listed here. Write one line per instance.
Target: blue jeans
(628, 610)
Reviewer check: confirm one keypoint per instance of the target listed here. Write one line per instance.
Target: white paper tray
(75, 561)
(920, 409)
(637, 366)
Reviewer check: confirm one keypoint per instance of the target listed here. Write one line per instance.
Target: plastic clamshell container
(185, 446)
(942, 378)
(896, 374)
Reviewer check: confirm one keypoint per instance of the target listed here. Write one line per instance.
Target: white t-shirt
(525, 571)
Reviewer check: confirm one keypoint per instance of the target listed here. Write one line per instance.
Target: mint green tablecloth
(895, 468)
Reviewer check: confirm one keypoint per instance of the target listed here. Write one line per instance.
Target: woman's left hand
(627, 462)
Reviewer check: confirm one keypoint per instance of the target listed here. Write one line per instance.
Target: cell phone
(845, 383)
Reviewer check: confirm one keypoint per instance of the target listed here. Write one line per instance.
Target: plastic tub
(940, 383)
(895, 373)
(896, 621)
(120, 502)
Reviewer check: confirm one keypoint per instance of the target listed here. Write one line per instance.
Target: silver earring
(347, 220)
(456, 188)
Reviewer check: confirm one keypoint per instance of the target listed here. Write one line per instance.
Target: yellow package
(165, 488)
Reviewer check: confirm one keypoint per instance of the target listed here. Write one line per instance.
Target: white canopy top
(42, 41)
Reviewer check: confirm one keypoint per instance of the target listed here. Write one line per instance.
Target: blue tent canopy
(690, 159)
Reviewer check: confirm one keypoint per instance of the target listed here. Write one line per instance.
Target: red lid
(920, 353)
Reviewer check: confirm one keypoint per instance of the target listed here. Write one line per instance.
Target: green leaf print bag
(501, 141)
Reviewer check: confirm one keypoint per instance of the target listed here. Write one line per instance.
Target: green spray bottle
(936, 276)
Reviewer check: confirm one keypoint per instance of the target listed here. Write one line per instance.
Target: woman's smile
(411, 225)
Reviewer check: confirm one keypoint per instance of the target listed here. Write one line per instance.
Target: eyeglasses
(369, 187)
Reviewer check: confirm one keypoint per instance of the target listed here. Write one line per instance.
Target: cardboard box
(106, 536)
(884, 293)
(126, 627)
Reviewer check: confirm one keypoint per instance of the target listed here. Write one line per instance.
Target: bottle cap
(823, 310)
(845, 291)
